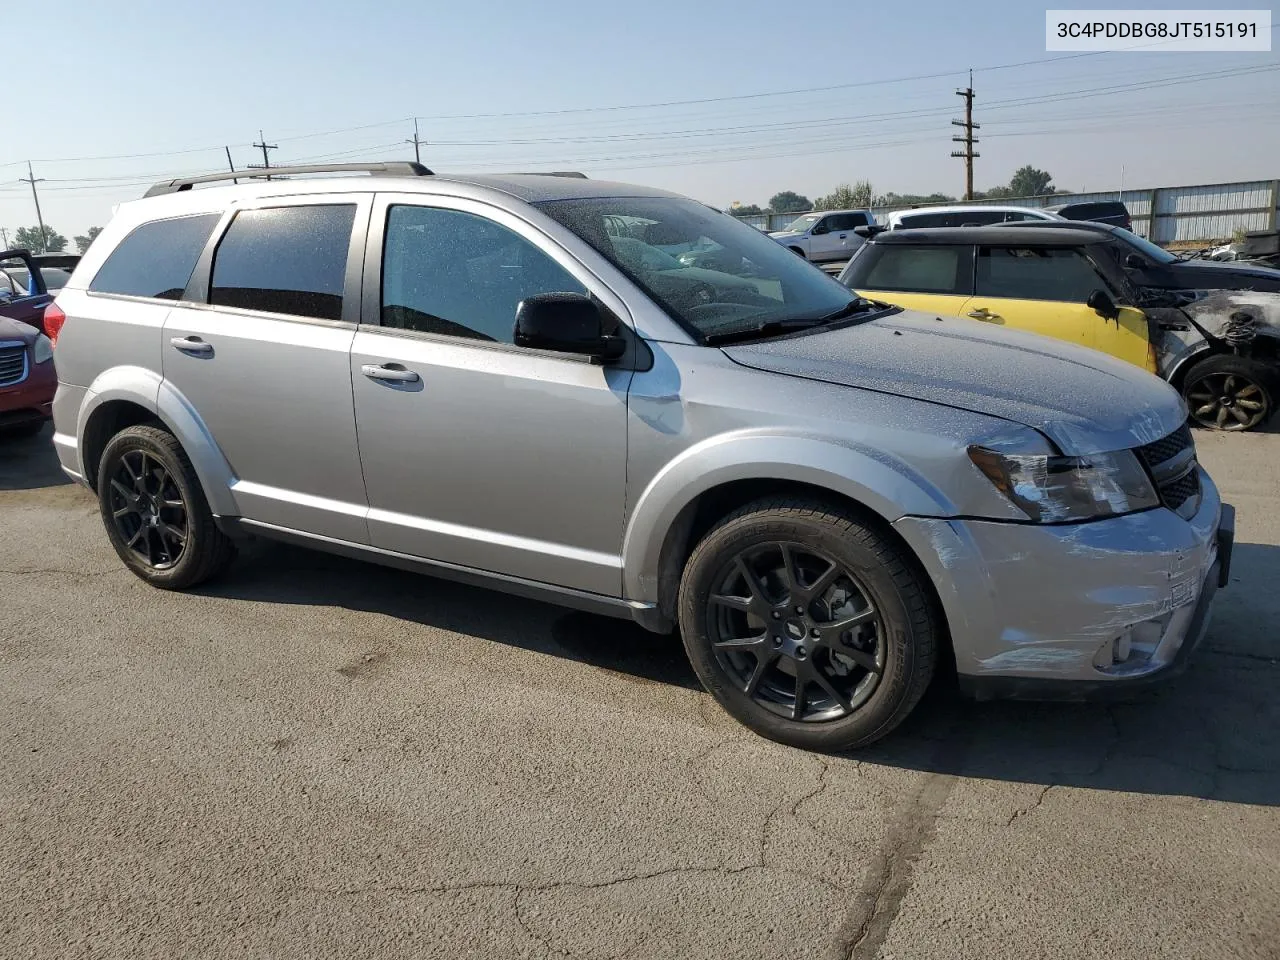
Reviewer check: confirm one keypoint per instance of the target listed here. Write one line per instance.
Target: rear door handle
(842, 236)
(982, 313)
(192, 345)
(394, 372)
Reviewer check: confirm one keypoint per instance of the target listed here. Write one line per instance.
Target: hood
(1082, 400)
(1218, 273)
(11, 329)
(786, 235)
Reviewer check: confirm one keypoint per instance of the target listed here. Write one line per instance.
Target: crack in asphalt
(38, 571)
(887, 883)
(1245, 655)
(1025, 811)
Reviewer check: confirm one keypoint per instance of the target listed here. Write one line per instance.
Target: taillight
(54, 318)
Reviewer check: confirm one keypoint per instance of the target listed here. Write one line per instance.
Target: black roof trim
(996, 233)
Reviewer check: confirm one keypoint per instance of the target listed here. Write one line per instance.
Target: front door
(263, 357)
(1039, 289)
(477, 452)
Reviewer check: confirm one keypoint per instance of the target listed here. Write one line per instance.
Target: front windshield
(713, 274)
(1158, 254)
(801, 224)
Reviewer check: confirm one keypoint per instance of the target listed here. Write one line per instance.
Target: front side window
(718, 277)
(290, 260)
(156, 259)
(802, 224)
(1028, 273)
(908, 268)
(455, 273)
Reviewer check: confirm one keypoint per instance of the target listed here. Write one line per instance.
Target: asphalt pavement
(315, 757)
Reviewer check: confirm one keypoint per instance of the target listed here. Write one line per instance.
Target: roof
(1041, 234)
(965, 208)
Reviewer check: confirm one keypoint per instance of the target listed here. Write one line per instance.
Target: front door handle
(982, 313)
(842, 236)
(394, 372)
(192, 345)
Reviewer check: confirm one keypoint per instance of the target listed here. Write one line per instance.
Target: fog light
(1132, 648)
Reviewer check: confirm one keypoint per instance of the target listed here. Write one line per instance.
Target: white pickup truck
(825, 236)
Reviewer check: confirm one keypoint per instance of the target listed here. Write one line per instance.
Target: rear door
(260, 347)
(935, 278)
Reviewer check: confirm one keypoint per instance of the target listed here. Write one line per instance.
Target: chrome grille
(13, 364)
(1171, 461)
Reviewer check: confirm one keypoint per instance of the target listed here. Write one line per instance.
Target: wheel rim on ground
(147, 509)
(1227, 401)
(796, 632)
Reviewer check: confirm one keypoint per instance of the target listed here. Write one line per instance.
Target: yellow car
(1070, 284)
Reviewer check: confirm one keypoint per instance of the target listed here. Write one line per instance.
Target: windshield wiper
(768, 327)
(763, 329)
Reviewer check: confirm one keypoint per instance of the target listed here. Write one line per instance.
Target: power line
(266, 160)
(417, 156)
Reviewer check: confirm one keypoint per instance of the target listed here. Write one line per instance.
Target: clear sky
(504, 85)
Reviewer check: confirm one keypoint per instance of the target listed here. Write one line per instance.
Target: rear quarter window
(156, 259)
(914, 269)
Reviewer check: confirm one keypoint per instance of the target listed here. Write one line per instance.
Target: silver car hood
(1082, 400)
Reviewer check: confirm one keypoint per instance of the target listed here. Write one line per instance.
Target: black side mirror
(1100, 302)
(819, 230)
(869, 230)
(567, 323)
(1135, 262)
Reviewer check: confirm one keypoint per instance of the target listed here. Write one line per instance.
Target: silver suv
(501, 380)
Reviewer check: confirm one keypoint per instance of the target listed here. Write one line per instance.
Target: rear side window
(290, 260)
(156, 259)
(913, 269)
(1021, 273)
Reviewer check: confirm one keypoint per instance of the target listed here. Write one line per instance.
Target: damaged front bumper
(1075, 610)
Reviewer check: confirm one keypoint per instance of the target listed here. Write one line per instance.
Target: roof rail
(550, 173)
(396, 168)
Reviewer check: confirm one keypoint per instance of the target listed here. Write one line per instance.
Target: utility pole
(4, 239)
(968, 138)
(417, 155)
(230, 164)
(31, 179)
(266, 159)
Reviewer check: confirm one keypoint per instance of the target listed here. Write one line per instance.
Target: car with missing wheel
(1076, 282)
(484, 379)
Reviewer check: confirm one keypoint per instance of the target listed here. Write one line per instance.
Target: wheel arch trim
(147, 389)
(887, 487)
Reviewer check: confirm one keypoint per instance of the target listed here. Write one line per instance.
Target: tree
(1029, 182)
(846, 197)
(83, 242)
(788, 201)
(998, 193)
(51, 241)
(747, 210)
(892, 199)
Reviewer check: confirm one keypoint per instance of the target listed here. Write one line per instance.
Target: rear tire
(1230, 393)
(808, 624)
(155, 512)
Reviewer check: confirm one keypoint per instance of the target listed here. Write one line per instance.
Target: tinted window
(1022, 273)
(444, 271)
(905, 268)
(285, 260)
(156, 259)
(845, 221)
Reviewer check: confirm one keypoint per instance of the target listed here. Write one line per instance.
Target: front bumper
(1034, 610)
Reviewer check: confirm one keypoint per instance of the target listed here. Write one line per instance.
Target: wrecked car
(1219, 348)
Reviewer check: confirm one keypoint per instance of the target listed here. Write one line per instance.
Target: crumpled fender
(884, 485)
(147, 389)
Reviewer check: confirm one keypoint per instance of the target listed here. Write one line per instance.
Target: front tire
(155, 512)
(808, 624)
(1226, 392)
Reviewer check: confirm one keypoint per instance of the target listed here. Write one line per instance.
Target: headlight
(42, 349)
(1054, 489)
